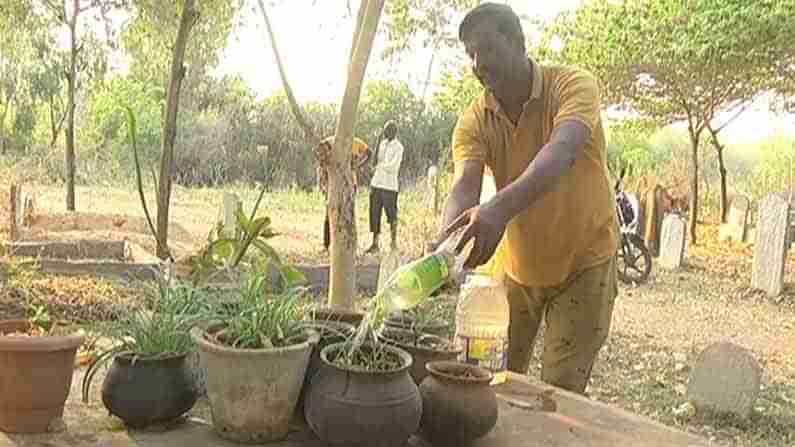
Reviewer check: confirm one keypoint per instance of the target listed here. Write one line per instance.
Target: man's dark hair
(390, 129)
(506, 19)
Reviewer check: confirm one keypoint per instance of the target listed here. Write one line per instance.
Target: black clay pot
(458, 404)
(330, 332)
(356, 408)
(423, 348)
(142, 392)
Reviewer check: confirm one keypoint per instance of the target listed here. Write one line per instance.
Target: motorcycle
(634, 258)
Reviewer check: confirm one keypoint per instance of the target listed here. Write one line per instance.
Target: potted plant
(363, 396)
(420, 338)
(37, 358)
(256, 358)
(149, 380)
(458, 405)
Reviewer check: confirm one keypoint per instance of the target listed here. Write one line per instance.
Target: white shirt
(390, 155)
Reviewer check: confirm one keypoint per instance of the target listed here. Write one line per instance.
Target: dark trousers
(382, 200)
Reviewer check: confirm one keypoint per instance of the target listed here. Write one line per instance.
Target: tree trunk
(724, 195)
(69, 157)
(170, 126)
(693, 220)
(342, 276)
(297, 112)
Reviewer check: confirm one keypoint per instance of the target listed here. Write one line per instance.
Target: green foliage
(151, 33)
(673, 60)
(629, 146)
(159, 330)
(106, 117)
(257, 319)
(458, 90)
(775, 169)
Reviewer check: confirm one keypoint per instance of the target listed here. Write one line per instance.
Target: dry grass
(111, 213)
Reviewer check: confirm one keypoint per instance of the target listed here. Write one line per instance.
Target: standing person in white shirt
(384, 185)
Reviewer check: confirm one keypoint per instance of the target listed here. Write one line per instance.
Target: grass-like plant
(373, 356)
(259, 319)
(158, 330)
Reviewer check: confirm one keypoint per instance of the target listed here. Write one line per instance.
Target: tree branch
(297, 112)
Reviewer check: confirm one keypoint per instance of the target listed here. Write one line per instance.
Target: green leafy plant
(40, 318)
(225, 252)
(259, 319)
(159, 330)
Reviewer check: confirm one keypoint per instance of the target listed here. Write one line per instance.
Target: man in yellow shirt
(538, 130)
(360, 155)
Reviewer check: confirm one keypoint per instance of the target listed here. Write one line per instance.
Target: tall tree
(68, 14)
(674, 60)
(186, 22)
(342, 286)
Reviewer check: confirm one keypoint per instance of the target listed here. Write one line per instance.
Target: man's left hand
(485, 225)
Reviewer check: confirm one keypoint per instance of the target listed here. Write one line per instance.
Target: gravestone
(725, 378)
(737, 220)
(770, 247)
(230, 206)
(672, 242)
(433, 189)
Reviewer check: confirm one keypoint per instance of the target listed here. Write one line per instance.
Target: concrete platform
(559, 419)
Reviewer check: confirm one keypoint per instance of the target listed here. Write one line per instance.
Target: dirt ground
(657, 331)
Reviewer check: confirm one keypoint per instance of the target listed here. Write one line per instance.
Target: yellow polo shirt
(358, 150)
(572, 226)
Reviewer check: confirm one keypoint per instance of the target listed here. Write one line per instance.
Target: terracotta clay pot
(147, 391)
(357, 408)
(330, 332)
(35, 378)
(459, 405)
(419, 346)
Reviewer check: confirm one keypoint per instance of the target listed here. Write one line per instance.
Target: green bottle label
(427, 274)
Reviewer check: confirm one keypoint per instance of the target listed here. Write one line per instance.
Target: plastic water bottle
(482, 318)
(414, 282)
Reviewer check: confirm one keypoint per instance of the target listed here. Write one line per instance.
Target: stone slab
(104, 269)
(77, 249)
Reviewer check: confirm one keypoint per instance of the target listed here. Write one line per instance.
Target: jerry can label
(489, 353)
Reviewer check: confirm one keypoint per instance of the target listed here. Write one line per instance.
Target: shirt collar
(535, 90)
